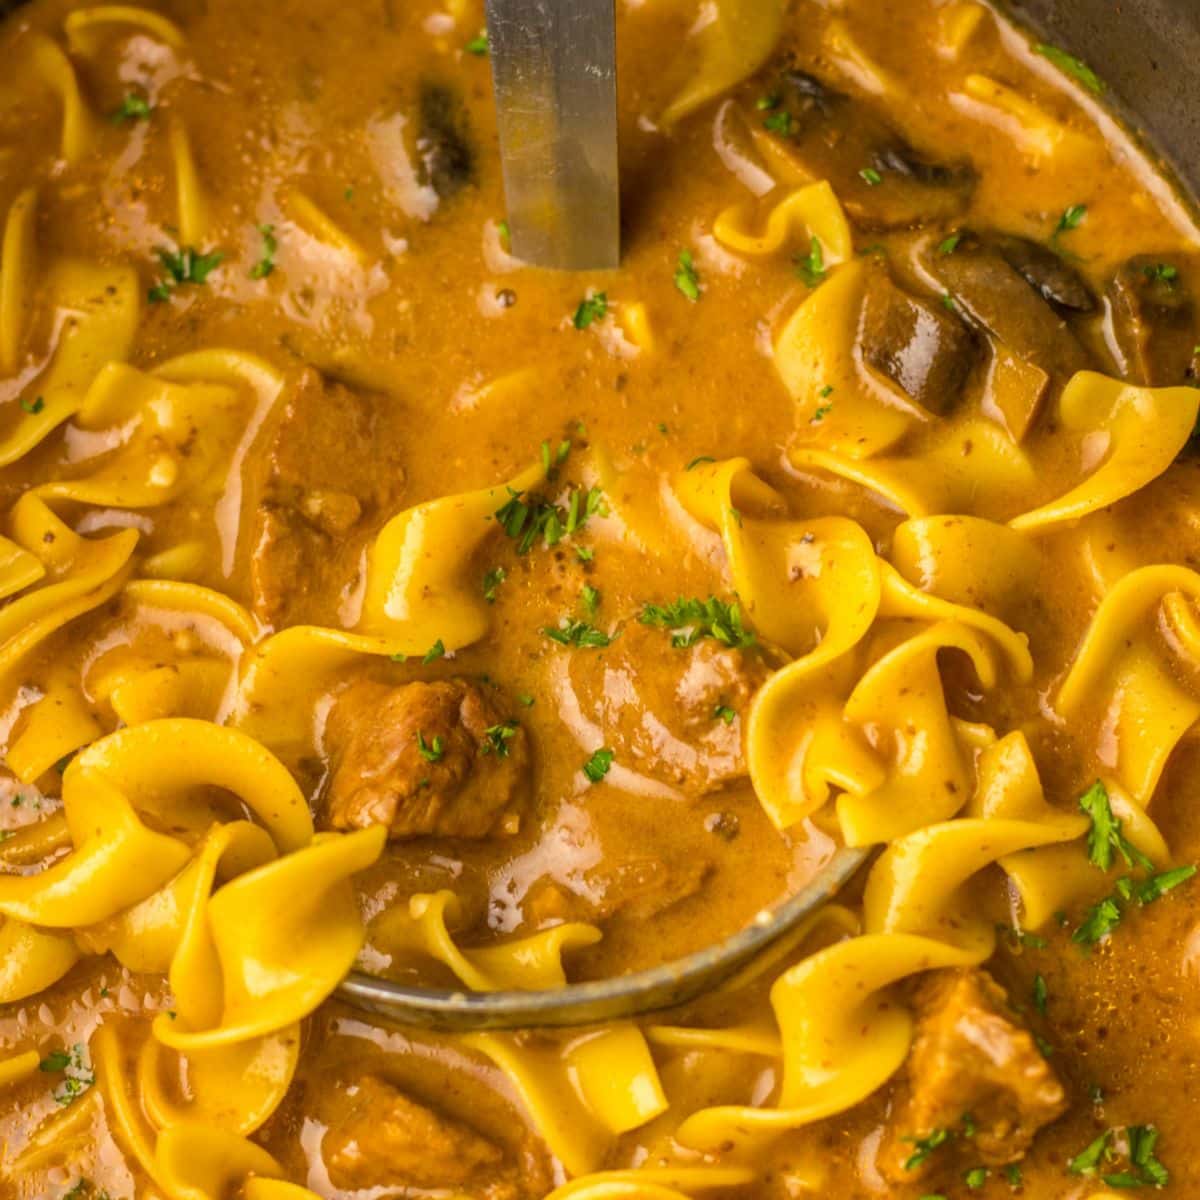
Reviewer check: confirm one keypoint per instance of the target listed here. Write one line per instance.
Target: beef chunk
(425, 759)
(972, 1072)
(383, 1139)
(330, 480)
(1154, 323)
(921, 347)
(659, 707)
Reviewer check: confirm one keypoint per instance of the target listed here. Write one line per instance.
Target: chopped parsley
(690, 620)
(949, 303)
(1157, 886)
(1072, 66)
(185, 266)
(779, 122)
(436, 651)
(870, 177)
(491, 583)
(585, 554)
(811, 266)
(1019, 937)
(34, 406)
(724, 713)
(589, 597)
(822, 412)
(570, 632)
(1105, 835)
(77, 1069)
(766, 103)
(133, 107)
(925, 1147)
(1040, 993)
(597, 766)
(1071, 218)
(1144, 1170)
(1162, 273)
(950, 244)
(431, 751)
(266, 263)
(591, 308)
(687, 278)
(976, 1177)
(1102, 918)
(704, 458)
(525, 699)
(1099, 922)
(1012, 1173)
(497, 737)
(553, 459)
(478, 45)
(525, 517)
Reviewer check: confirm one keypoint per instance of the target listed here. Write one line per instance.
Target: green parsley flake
(525, 699)
(497, 737)
(436, 651)
(779, 122)
(185, 266)
(1040, 993)
(591, 308)
(589, 597)
(724, 713)
(491, 583)
(1013, 1174)
(690, 620)
(597, 766)
(525, 517)
(950, 244)
(811, 266)
(1162, 273)
(431, 751)
(1144, 1170)
(1105, 835)
(77, 1069)
(266, 263)
(478, 45)
(704, 458)
(766, 103)
(1072, 66)
(976, 1177)
(1071, 219)
(870, 176)
(1087, 1161)
(570, 632)
(1157, 886)
(687, 278)
(925, 1147)
(1098, 923)
(34, 406)
(133, 107)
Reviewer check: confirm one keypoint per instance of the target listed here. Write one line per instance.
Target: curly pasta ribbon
(31, 959)
(16, 1067)
(582, 1093)
(1120, 673)
(813, 210)
(731, 46)
(54, 727)
(855, 63)
(199, 1162)
(190, 200)
(62, 1136)
(1050, 878)
(232, 1088)
(967, 561)
(98, 311)
(1039, 134)
(528, 963)
(957, 25)
(1143, 430)
(966, 467)
(82, 25)
(808, 586)
(317, 223)
(80, 128)
(18, 265)
(652, 1183)
(416, 595)
(170, 437)
(816, 358)
(276, 942)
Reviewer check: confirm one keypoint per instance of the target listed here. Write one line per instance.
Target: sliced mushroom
(1000, 300)
(814, 132)
(444, 140)
(1154, 323)
(920, 346)
(1057, 281)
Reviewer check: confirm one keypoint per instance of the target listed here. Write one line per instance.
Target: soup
(373, 599)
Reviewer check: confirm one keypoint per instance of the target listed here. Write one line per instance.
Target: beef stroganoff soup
(371, 599)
